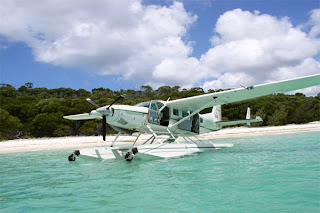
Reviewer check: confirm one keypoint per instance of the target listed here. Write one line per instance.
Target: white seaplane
(173, 119)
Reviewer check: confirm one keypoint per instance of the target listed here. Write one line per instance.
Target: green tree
(90, 128)
(262, 113)
(147, 88)
(62, 130)
(8, 91)
(9, 125)
(45, 124)
(279, 117)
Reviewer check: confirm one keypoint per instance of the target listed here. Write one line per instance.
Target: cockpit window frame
(145, 104)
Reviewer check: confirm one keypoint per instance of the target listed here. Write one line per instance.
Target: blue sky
(184, 43)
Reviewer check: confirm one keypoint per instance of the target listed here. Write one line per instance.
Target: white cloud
(230, 80)
(103, 36)
(308, 66)
(147, 42)
(238, 25)
(234, 80)
(178, 71)
(248, 48)
(315, 23)
(251, 48)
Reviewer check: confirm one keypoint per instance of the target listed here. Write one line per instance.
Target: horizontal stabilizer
(246, 121)
(84, 116)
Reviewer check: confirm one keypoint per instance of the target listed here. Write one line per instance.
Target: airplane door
(187, 124)
(191, 124)
(154, 115)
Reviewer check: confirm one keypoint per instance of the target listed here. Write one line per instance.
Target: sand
(71, 143)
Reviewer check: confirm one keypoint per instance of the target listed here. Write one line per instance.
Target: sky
(128, 43)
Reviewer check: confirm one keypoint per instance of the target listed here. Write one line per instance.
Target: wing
(236, 95)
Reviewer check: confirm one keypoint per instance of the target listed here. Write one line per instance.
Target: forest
(28, 112)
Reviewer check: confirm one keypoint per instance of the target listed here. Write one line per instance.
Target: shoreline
(77, 142)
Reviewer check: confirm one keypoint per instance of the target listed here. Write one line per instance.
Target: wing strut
(115, 139)
(154, 134)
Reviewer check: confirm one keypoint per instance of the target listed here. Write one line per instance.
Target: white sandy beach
(27, 145)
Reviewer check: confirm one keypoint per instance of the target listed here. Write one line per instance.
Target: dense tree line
(38, 112)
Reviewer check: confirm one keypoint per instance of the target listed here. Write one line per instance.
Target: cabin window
(201, 120)
(175, 112)
(184, 114)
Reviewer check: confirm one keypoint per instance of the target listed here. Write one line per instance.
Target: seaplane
(165, 121)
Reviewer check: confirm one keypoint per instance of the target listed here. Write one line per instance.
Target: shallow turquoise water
(275, 173)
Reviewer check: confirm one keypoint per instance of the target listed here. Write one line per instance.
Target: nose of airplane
(104, 110)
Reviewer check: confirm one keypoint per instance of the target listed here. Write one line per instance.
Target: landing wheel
(128, 156)
(72, 157)
(77, 152)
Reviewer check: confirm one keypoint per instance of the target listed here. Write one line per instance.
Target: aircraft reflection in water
(176, 118)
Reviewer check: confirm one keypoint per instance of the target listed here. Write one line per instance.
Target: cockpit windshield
(154, 104)
(143, 104)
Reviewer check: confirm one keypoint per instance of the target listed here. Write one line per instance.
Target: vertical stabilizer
(248, 114)
(216, 111)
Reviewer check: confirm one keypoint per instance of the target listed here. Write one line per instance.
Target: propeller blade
(104, 127)
(92, 102)
(104, 112)
(117, 99)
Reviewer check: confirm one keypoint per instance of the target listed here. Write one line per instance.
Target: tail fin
(216, 112)
(248, 116)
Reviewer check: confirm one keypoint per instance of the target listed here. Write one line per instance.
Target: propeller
(117, 99)
(92, 102)
(105, 112)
